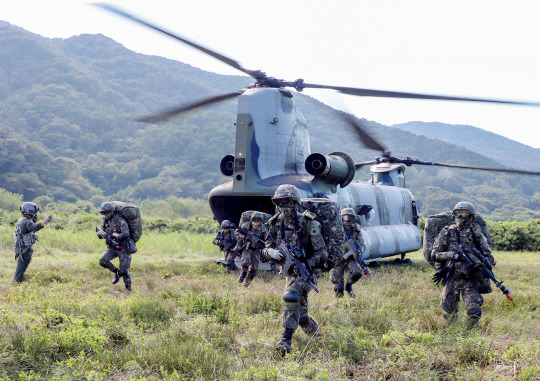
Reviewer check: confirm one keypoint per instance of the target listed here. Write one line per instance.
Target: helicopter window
(286, 105)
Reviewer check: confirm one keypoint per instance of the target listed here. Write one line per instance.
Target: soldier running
(470, 285)
(226, 240)
(251, 250)
(115, 231)
(301, 232)
(349, 261)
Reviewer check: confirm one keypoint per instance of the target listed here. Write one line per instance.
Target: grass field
(188, 319)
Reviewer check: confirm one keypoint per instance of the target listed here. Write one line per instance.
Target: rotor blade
(399, 94)
(357, 166)
(418, 162)
(162, 116)
(222, 58)
(368, 140)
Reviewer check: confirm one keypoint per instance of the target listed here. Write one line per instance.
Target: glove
(48, 219)
(275, 254)
(454, 256)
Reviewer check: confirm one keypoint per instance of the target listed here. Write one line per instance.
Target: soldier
(25, 237)
(298, 230)
(226, 240)
(251, 250)
(349, 261)
(470, 285)
(115, 231)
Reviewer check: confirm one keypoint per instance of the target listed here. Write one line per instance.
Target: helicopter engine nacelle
(227, 165)
(335, 168)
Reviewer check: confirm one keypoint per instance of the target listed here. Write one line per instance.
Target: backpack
(246, 217)
(327, 213)
(434, 225)
(132, 215)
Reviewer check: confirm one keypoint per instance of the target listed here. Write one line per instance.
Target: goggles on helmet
(348, 217)
(281, 201)
(461, 213)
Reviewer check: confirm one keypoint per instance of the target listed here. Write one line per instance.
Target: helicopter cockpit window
(286, 105)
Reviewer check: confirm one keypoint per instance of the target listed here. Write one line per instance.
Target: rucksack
(132, 215)
(327, 213)
(434, 225)
(246, 217)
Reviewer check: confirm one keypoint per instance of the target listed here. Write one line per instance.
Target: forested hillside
(65, 132)
(503, 150)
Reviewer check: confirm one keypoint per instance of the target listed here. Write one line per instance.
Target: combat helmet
(107, 209)
(226, 224)
(348, 214)
(286, 191)
(256, 216)
(464, 205)
(29, 208)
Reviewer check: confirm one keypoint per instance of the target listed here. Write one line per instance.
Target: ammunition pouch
(131, 247)
(29, 239)
(484, 284)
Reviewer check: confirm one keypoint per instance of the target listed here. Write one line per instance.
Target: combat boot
(249, 278)
(116, 278)
(338, 292)
(283, 346)
(242, 276)
(128, 287)
(473, 317)
(350, 291)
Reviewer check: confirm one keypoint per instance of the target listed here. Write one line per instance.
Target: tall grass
(187, 319)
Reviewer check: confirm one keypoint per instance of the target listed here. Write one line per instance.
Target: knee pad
(291, 296)
(474, 312)
(103, 263)
(123, 273)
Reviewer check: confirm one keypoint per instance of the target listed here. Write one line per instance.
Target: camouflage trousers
(468, 289)
(251, 259)
(125, 263)
(337, 274)
(296, 304)
(229, 254)
(22, 264)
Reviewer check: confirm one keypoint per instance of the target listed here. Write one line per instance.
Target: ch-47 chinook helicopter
(272, 148)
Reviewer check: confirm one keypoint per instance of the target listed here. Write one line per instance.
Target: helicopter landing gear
(403, 261)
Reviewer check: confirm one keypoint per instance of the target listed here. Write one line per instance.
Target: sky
(481, 48)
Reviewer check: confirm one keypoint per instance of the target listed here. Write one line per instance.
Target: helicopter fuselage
(272, 146)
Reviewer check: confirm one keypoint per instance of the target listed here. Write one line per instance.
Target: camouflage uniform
(117, 226)
(251, 252)
(26, 228)
(469, 285)
(337, 275)
(302, 231)
(226, 242)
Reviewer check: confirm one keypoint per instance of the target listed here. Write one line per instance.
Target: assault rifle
(292, 257)
(252, 237)
(472, 258)
(357, 250)
(224, 243)
(109, 240)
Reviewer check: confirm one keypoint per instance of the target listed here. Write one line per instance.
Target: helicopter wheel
(407, 261)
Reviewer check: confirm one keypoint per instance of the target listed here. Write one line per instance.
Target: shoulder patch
(314, 230)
